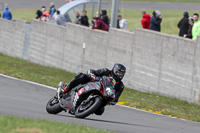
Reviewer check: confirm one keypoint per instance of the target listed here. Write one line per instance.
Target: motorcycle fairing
(66, 101)
(78, 94)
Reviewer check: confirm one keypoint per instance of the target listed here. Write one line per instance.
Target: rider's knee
(78, 75)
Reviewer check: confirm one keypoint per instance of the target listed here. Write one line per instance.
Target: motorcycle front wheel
(88, 107)
(53, 106)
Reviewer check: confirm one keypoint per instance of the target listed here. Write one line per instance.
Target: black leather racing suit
(119, 87)
(82, 78)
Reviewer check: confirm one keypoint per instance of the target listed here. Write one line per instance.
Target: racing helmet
(118, 71)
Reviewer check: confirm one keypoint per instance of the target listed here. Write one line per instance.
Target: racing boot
(61, 85)
(60, 90)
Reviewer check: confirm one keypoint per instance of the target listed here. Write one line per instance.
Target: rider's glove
(66, 89)
(93, 77)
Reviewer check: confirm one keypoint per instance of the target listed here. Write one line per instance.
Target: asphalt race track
(25, 99)
(36, 4)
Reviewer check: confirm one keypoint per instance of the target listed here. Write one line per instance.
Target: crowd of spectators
(100, 21)
(189, 26)
(152, 22)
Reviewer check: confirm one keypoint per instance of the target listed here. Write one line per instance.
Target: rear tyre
(93, 106)
(53, 108)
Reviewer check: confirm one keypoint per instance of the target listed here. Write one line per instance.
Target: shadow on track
(106, 121)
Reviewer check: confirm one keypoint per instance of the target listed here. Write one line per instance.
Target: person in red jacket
(99, 24)
(145, 20)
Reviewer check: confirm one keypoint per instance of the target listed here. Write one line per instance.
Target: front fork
(89, 98)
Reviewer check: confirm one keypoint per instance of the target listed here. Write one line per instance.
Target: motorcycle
(85, 99)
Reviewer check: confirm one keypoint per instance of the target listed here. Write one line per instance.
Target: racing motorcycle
(85, 99)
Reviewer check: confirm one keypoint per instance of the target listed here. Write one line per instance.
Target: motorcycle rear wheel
(53, 108)
(91, 109)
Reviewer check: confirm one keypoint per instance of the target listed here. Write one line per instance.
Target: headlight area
(109, 92)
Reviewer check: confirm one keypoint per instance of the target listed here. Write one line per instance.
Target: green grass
(161, 104)
(168, 25)
(34, 72)
(160, 1)
(51, 76)
(10, 124)
(25, 14)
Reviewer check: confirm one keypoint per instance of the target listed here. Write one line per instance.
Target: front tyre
(53, 106)
(85, 109)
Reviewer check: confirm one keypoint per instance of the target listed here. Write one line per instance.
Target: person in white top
(123, 23)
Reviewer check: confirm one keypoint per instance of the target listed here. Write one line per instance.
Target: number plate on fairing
(80, 91)
(76, 97)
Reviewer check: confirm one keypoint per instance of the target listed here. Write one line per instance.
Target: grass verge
(136, 99)
(10, 124)
(168, 25)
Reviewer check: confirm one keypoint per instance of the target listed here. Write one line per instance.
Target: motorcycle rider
(118, 71)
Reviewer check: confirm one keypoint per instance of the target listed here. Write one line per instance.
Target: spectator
(78, 18)
(97, 15)
(189, 33)
(52, 9)
(183, 24)
(104, 17)
(145, 21)
(7, 13)
(196, 26)
(156, 21)
(122, 22)
(45, 14)
(99, 24)
(84, 18)
(60, 20)
(39, 14)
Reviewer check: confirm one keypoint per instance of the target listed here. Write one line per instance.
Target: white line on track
(31, 82)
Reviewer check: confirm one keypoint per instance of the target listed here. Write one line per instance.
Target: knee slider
(78, 75)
